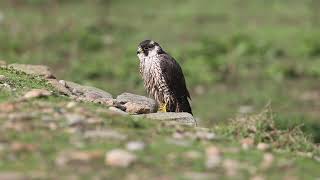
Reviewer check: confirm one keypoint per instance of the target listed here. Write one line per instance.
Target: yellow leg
(163, 107)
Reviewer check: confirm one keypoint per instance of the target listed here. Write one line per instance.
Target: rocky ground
(54, 128)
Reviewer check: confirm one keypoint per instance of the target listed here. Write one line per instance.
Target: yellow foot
(163, 107)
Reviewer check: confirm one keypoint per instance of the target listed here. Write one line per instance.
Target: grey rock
(37, 70)
(137, 104)
(88, 93)
(116, 111)
(183, 118)
(105, 134)
(2, 78)
(75, 119)
(59, 87)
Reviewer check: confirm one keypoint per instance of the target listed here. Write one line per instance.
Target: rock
(78, 157)
(59, 87)
(116, 111)
(34, 93)
(88, 93)
(20, 116)
(192, 155)
(37, 70)
(71, 105)
(7, 107)
(199, 176)
(263, 146)
(214, 157)
(22, 147)
(135, 145)
(231, 167)
(247, 143)
(13, 176)
(203, 135)
(257, 177)
(119, 158)
(135, 108)
(183, 118)
(3, 63)
(137, 104)
(75, 119)
(105, 134)
(3, 78)
(267, 161)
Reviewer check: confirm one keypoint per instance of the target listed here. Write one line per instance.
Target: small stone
(63, 83)
(135, 145)
(192, 155)
(231, 167)
(119, 158)
(257, 177)
(105, 134)
(3, 63)
(267, 161)
(247, 143)
(136, 103)
(116, 111)
(22, 147)
(78, 157)
(214, 157)
(13, 176)
(205, 135)
(35, 93)
(71, 104)
(2, 78)
(21, 116)
(245, 109)
(75, 119)
(7, 107)
(181, 118)
(263, 146)
(136, 108)
(59, 87)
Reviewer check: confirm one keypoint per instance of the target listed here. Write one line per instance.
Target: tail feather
(183, 105)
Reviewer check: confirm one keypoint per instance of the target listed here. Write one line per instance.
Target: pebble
(205, 135)
(135, 145)
(105, 134)
(267, 161)
(214, 157)
(78, 157)
(3, 78)
(231, 167)
(116, 111)
(34, 93)
(263, 147)
(75, 119)
(192, 155)
(119, 158)
(71, 104)
(63, 83)
(247, 143)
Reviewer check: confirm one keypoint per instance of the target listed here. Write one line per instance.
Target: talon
(163, 107)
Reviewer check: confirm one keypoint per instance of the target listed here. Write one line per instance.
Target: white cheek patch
(154, 51)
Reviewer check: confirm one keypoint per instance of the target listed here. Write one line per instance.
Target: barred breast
(154, 82)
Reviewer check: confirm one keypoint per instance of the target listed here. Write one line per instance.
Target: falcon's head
(149, 48)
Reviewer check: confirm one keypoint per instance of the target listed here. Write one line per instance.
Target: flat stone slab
(183, 118)
(88, 93)
(136, 104)
(37, 70)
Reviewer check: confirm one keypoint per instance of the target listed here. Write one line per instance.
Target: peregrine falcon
(163, 78)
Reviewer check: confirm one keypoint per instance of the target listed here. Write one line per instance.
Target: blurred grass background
(237, 55)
